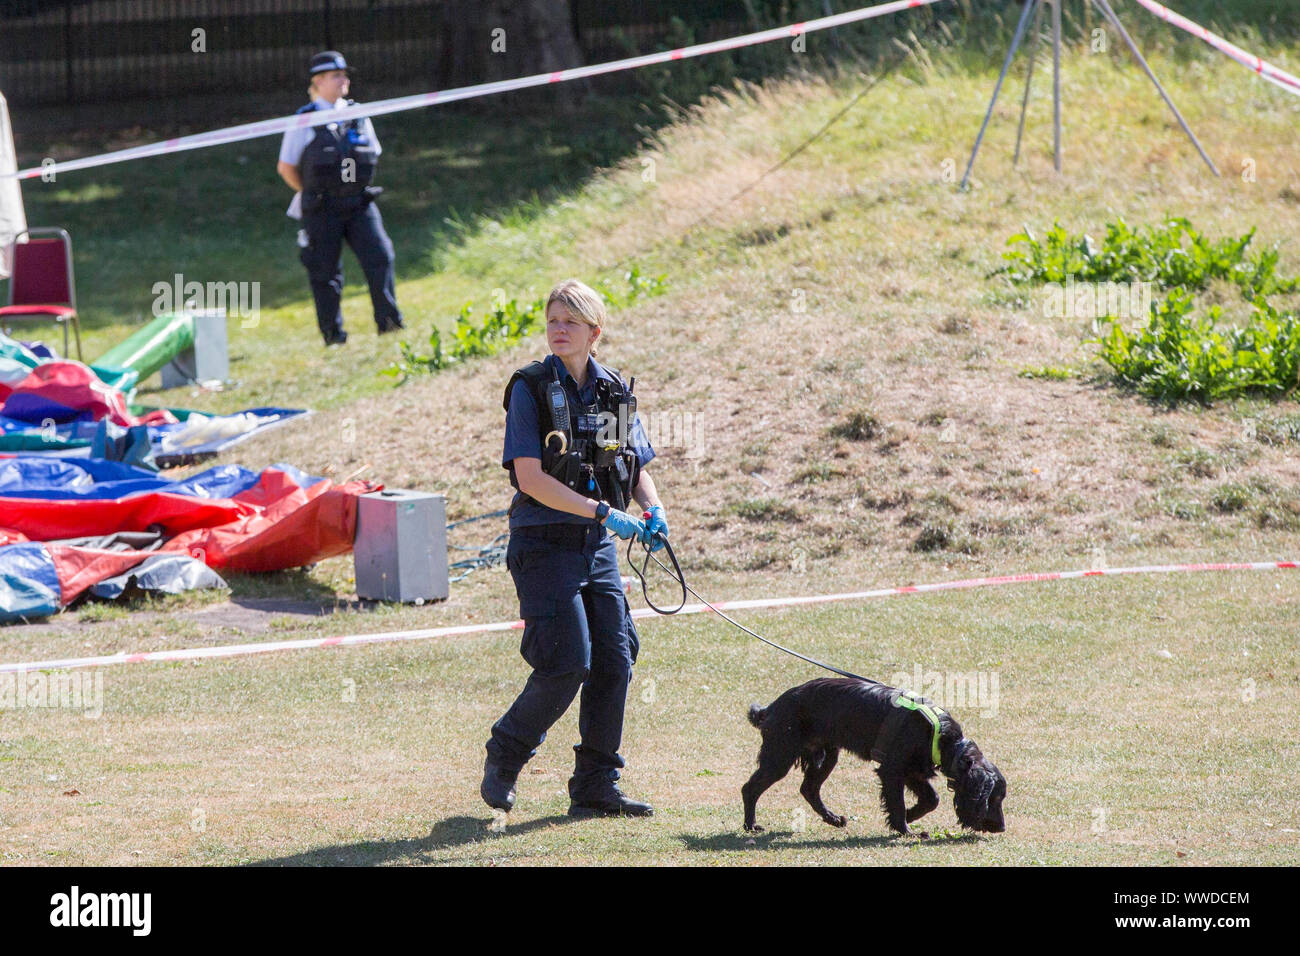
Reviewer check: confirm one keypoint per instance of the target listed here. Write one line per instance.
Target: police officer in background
(576, 453)
(330, 167)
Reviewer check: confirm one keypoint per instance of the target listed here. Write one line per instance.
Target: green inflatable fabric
(153, 346)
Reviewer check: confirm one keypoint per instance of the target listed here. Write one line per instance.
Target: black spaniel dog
(813, 722)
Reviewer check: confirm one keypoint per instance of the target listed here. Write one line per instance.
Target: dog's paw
(837, 821)
(754, 827)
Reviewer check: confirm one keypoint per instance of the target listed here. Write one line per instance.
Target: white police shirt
(295, 142)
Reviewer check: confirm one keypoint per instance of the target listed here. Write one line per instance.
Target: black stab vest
(593, 458)
(322, 165)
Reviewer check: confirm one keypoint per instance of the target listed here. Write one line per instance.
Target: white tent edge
(13, 218)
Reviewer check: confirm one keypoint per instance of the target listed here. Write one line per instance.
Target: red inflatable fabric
(291, 527)
(65, 391)
(274, 523)
(82, 568)
(43, 519)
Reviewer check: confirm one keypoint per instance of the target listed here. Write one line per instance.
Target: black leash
(676, 571)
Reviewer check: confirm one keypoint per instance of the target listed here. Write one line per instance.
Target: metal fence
(89, 51)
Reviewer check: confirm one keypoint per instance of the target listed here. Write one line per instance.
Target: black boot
(612, 803)
(498, 786)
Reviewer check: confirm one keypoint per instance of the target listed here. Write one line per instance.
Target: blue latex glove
(655, 524)
(625, 525)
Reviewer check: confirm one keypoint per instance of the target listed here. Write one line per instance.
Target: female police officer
(331, 167)
(577, 454)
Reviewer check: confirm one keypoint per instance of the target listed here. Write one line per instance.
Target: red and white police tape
(351, 640)
(1265, 69)
(235, 134)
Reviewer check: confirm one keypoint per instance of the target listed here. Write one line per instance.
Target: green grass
(368, 756)
(857, 426)
(1054, 373)
(764, 509)
(1271, 429)
(474, 204)
(216, 215)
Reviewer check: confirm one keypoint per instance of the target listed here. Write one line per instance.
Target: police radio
(558, 403)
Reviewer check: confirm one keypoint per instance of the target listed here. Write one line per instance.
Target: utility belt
(317, 201)
(571, 537)
(581, 478)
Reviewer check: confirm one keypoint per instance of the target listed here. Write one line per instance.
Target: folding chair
(41, 286)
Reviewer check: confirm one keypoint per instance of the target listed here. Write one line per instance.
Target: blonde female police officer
(576, 452)
(330, 167)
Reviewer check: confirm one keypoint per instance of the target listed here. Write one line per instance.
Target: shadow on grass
(446, 834)
(218, 215)
(305, 608)
(775, 839)
(290, 592)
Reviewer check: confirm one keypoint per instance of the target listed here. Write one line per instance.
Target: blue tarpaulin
(165, 573)
(96, 479)
(29, 583)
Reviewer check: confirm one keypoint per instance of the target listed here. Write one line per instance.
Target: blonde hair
(583, 302)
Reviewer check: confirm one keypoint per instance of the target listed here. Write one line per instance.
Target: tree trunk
(486, 40)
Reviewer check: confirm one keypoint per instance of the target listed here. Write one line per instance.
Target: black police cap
(329, 60)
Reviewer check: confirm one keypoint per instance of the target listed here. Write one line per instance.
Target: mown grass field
(1115, 753)
(1139, 720)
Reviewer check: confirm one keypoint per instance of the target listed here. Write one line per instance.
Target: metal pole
(1006, 66)
(1029, 78)
(1105, 8)
(1056, 80)
(68, 90)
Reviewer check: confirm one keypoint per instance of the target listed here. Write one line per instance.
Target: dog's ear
(994, 821)
(973, 787)
(968, 755)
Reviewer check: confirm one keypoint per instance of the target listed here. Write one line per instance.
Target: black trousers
(578, 634)
(355, 220)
